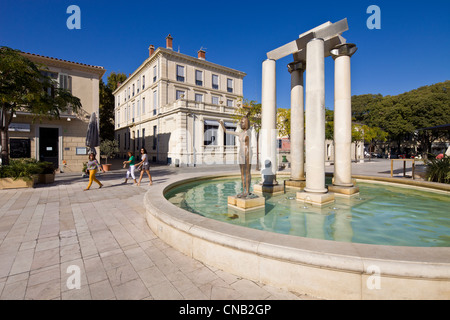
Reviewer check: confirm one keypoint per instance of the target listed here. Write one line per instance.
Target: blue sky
(410, 50)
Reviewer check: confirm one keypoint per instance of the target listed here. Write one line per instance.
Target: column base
(344, 191)
(319, 199)
(246, 204)
(277, 188)
(295, 183)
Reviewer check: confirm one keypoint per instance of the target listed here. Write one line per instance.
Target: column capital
(296, 65)
(345, 49)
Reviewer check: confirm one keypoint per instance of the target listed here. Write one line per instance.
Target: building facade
(61, 141)
(171, 105)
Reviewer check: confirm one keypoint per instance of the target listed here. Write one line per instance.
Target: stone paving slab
(47, 230)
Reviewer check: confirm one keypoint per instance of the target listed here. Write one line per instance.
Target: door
(48, 145)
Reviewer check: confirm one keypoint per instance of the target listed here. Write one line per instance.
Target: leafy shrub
(25, 169)
(109, 148)
(438, 170)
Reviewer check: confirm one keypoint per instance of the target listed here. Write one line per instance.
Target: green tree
(329, 124)
(106, 108)
(401, 115)
(24, 87)
(362, 106)
(284, 122)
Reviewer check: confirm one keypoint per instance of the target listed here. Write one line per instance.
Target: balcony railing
(195, 105)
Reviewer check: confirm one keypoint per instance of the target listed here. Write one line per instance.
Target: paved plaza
(48, 230)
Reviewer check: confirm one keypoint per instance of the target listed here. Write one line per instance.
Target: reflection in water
(380, 215)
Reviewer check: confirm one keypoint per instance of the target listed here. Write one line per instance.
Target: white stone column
(315, 117)
(315, 191)
(297, 125)
(268, 122)
(343, 118)
(268, 133)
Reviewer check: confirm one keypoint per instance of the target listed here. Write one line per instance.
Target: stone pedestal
(261, 188)
(246, 215)
(246, 204)
(343, 191)
(319, 199)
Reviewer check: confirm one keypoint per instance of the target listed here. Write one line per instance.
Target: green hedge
(25, 169)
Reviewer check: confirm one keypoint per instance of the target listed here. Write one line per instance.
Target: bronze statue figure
(244, 154)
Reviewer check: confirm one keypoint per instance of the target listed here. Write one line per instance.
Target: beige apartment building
(171, 105)
(61, 141)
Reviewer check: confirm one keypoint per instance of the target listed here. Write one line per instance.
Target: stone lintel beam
(324, 31)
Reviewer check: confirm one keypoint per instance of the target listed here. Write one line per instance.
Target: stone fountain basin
(320, 268)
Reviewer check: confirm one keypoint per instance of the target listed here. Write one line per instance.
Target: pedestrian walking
(131, 162)
(92, 167)
(144, 165)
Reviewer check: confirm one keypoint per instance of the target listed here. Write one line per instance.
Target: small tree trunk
(5, 149)
(4, 137)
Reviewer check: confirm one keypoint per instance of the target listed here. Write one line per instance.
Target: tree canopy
(403, 114)
(106, 108)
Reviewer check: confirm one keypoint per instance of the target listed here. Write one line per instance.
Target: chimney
(169, 42)
(151, 49)
(201, 54)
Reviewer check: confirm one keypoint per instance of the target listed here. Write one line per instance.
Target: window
(215, 81)
(133, 113)
(138, 140)
(215, 100)
(155, 102)
(133, 89)
(118, 100)
(138, 85)
(155, 74)
(143, 138)
(229, 85)
(143, 106)
(229, 139)
(229, 103)
(19, 148)
(53, 76)
(180, 73)
(138, 108)
(179, 94)
(199, 78)
(143, 82)
(155, 139)
(118, 119)
(198, 97)
(65, 82)
(129, 91)
(211, 129)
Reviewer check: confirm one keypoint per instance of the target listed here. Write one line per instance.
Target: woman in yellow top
(92, 166)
